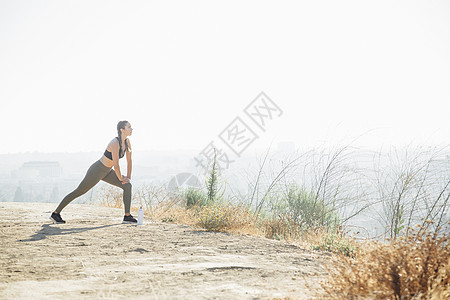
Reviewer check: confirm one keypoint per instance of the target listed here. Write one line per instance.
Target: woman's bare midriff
(106, 161)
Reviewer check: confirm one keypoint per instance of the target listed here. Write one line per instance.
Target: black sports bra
(109, 154)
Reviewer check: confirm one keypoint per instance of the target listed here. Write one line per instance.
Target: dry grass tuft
(417, 267)
(319, 238)
(226, 217)
(280, 227)
(111, 196)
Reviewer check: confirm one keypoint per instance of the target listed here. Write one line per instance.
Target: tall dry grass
(416, 267)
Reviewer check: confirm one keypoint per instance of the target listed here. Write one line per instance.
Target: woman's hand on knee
(125, 179)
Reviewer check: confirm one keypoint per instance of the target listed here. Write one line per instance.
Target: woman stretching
(102, 170)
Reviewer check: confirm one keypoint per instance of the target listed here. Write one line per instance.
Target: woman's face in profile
(128, 130)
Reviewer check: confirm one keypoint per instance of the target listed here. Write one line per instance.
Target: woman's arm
(115, 157)
(129, 161)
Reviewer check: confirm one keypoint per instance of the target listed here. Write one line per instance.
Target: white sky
(181, 71)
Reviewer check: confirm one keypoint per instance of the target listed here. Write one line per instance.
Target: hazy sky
(182, 71)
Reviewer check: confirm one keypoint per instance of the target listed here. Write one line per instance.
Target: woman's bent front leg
(111, 178)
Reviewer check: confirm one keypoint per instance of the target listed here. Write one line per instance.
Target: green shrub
(304, 208)
(195, 197)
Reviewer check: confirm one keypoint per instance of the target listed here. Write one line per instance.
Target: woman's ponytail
(121, 125)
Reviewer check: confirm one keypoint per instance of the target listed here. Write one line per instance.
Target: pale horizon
(180, 72)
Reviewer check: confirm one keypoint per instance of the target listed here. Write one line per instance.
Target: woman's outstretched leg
(95, 173)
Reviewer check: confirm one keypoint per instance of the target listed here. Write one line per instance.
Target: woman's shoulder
(114, 142)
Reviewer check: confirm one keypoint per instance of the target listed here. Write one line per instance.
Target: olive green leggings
(98, 171)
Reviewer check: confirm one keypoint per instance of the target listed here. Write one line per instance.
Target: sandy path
(94, 256)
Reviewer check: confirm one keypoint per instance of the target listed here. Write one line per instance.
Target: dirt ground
(94, 256)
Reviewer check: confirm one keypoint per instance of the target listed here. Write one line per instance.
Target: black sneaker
(129, 220)
(56, 218)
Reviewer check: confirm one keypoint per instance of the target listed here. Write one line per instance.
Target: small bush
(221, 217)
(336, 243)
(303, 207)
(417, 267)
(195, 197)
